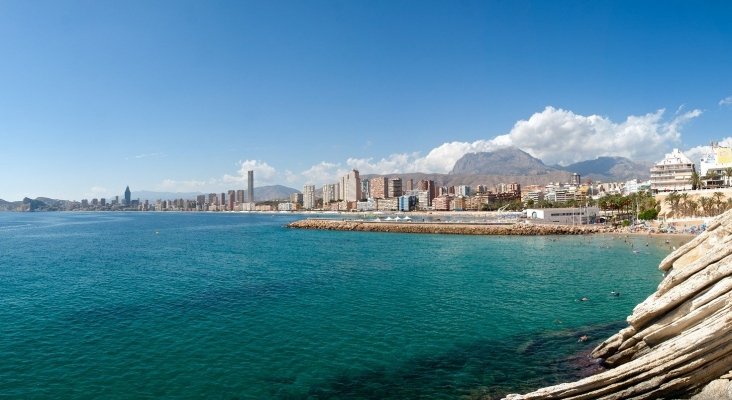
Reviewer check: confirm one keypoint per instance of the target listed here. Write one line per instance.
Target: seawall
(448, 228)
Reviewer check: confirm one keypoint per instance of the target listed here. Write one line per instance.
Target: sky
(189, 95)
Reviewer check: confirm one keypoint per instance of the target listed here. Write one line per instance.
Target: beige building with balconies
(672, 173)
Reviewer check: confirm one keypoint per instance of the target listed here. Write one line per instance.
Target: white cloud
(323, 172)
(556, 136)
(726, 101)
(145, 155)
(559, 136)
(395, 163)
(264, 174)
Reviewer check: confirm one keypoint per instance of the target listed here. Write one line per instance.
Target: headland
(678, 342)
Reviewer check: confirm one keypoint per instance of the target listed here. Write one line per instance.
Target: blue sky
(184, 96)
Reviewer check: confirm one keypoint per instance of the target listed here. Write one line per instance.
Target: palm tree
(684, 205)
(691, 207)
(728, 175)
(707, 205)
(695, 181)
(673, 200)
(717, 198)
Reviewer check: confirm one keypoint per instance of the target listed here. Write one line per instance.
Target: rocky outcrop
(678, 342)
(448, 228)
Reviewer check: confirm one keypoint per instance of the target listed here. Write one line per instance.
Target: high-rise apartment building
(463, 190)
(250, 186)
(128, 196)
(240, 196)
(351, 186)
(378, 187)
(232, 199)
(365, 188)
(395, 187)
(308, 196)
(429, 187)
(296, 198)
(330, 194)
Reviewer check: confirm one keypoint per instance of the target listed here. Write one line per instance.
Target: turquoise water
(229, 306)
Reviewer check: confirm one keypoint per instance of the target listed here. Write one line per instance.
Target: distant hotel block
(672, 173)
(716, 166)
(128, 196)
(250, 186)
(351, 187)
(308, 197)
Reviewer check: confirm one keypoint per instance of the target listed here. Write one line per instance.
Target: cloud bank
(554, 135)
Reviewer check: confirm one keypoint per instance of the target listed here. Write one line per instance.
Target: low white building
(564, 216)
(717, 160)
(288, 206)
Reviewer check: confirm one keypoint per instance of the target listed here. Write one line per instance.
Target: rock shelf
(678, 343)
(448, 228)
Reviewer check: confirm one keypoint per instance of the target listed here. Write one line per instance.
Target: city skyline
(178, 96)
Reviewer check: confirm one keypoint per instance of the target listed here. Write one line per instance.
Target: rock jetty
(678, 343)
(447, 228)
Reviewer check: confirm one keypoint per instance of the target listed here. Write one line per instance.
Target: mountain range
(513, 161)
(515, 165)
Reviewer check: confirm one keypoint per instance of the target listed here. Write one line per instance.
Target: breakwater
(449, 228)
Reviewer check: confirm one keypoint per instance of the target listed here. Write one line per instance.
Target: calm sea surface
(229, 306)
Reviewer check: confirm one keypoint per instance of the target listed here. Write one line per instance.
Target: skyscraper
(128, 196)
(379, 187)
(308, 197)
(231, 197)
(395, 187)
(351, 186)
(250, 186)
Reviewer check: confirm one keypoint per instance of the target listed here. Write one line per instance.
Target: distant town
(671, 176)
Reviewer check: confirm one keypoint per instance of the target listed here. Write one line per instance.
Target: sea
(135, 305)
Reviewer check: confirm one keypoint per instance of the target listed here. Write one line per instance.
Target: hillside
(508, 161)
(611, 169)
(512, 164)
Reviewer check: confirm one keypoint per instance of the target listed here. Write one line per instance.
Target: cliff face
(679, 339)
